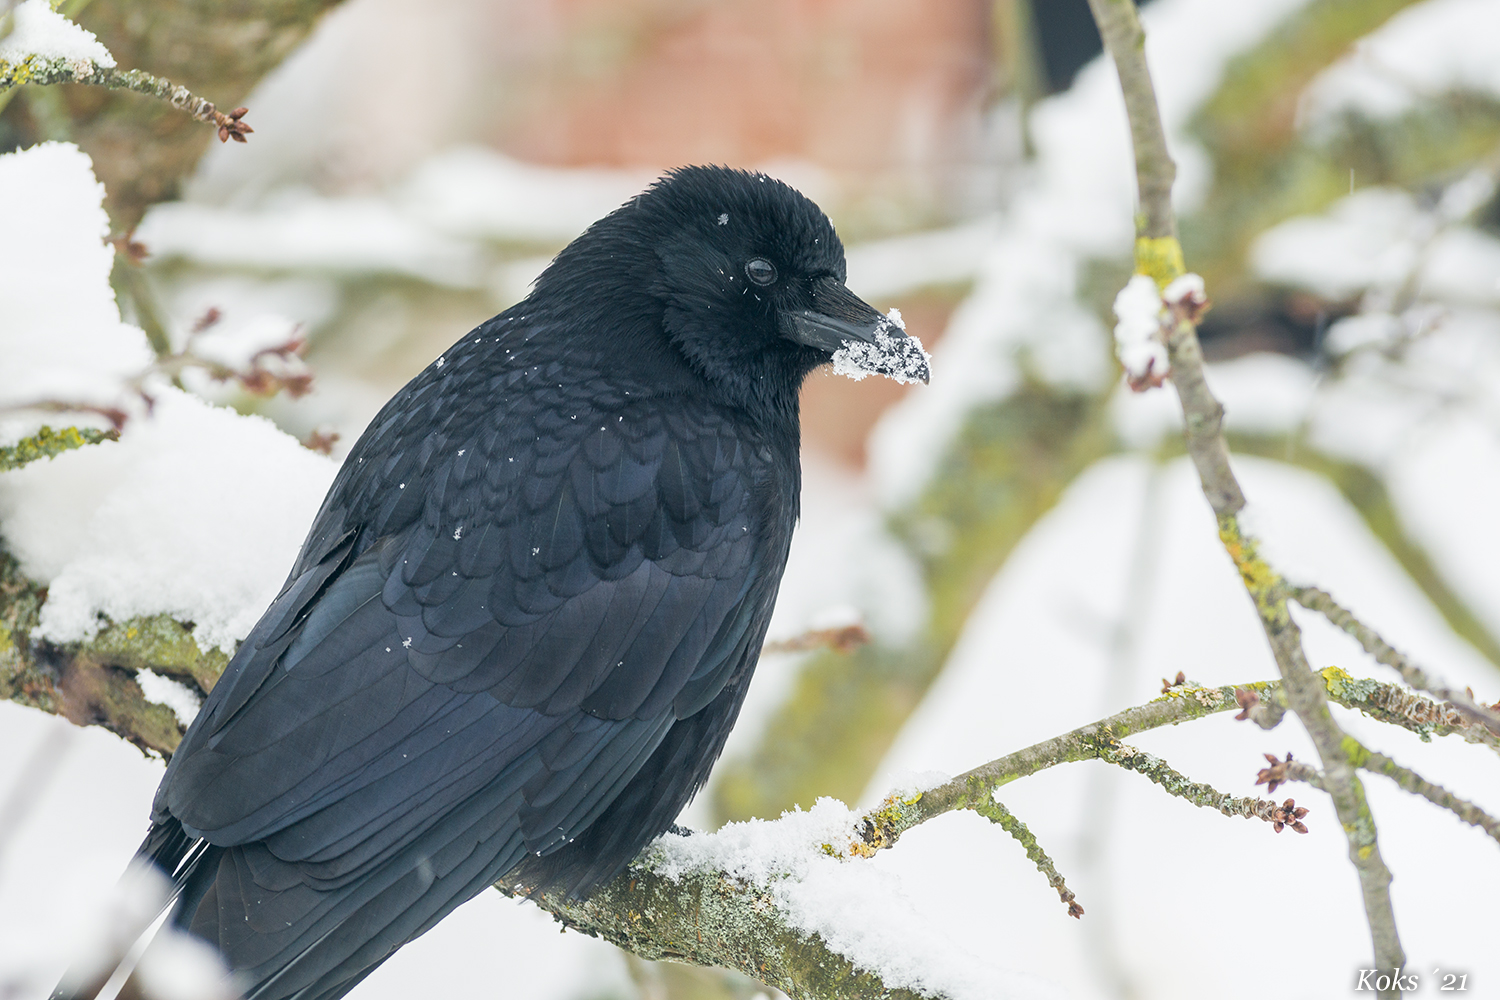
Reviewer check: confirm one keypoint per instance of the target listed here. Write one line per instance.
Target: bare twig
(1397, 706)
(45, 70)
(844, 639)
(1199, 794)
(1413, 782)
(996, 813)
(1321, 601)
(1159, 254)
(1379, 763)
(973, 789)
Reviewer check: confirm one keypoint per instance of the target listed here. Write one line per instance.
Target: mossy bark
(713, 920)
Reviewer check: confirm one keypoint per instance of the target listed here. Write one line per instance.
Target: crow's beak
(842, 321)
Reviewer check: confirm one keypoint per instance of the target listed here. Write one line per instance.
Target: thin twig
(843, 639)
(1322, 602)
(1159, 254)
(1379, 763)
(43, 70)
(1199, 794)
(1413, 782)
(996, 813)
(1398, 706)
(884, 825)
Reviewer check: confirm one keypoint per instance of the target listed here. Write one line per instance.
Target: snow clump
(1138, 339)
(196, 511)
(900, 358)
(802, 861)
(38, 30)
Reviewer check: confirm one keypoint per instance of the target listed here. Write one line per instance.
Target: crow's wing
(512, 606)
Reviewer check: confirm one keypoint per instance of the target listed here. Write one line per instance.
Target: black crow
(525, 617)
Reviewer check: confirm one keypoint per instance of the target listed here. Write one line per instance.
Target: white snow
(60, 331)
(884, 269)
(239, 347)
(178, 966)
(473, 192)
(1185, 289)
(858, 907)
(173, 694)
(1427, 49)
(1369, 238)
(897, 357)
(235, 493)
(38, 30)
(298, 230)
(1138, 334)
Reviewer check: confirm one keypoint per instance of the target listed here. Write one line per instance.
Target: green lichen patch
(47, 443)
(162, 644)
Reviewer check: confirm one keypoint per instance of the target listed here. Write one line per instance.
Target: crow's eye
(760, 271)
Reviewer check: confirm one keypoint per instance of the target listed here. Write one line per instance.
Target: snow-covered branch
(45, 48)
(712, 919)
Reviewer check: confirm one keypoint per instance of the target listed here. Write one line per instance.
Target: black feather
(525, 617)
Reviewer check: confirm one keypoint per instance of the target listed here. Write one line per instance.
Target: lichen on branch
(38, 69)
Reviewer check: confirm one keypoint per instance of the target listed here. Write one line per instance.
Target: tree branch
(1405, 777)
(713, 920)
(44, 70)
(974, 789)
(1159, 255)
(1321, 601)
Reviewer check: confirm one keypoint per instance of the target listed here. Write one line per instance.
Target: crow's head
(743, 275)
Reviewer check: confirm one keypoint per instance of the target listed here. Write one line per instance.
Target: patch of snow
(818, 894)
(835, 616)
(1429, 48)
(1262, 393)
(60, 330)
(178, 966)
(1139, 343)
(1463, 265)
(300, 231)
(236, 346)
(885, 269)
(109, 933)
(476, 193)
(897, 357)
(239, 300)
(1444, 480)
(1370, 238)
(174, 694)
(1144, 419)
(1185, 288)
(38, 30)
(233, 493)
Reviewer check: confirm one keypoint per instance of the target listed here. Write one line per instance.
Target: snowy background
(199, 507)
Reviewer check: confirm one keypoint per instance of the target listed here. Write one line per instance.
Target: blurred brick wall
(876, 108)
(886, 96)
